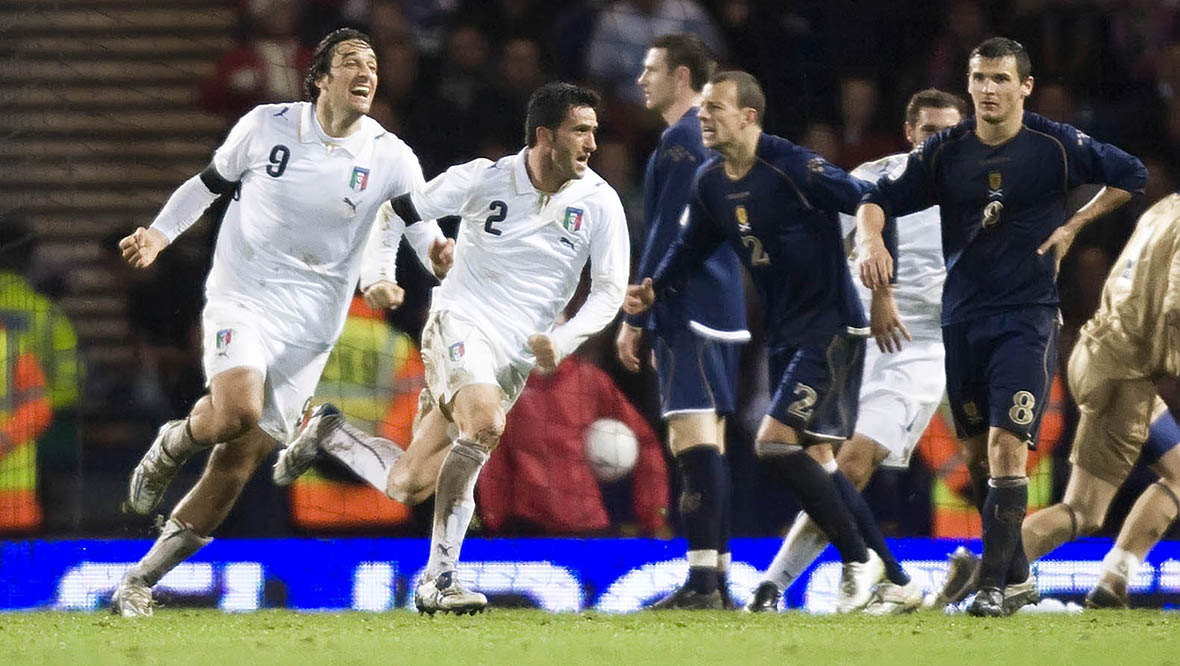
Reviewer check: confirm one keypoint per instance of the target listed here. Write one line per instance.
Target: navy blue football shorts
(999, 369)
(696, 374)
(816, 386)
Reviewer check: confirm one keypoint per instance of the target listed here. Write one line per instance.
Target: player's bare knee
(488, 437)
(857, 469)
(235, 420)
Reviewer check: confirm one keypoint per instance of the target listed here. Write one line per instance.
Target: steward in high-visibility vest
(374, 375)
(39, 378)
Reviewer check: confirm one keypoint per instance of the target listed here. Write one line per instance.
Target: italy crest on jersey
(456, 351)
(573, 219)
(224, 336)
(359, 180)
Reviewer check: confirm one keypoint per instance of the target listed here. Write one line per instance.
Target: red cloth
(538, 474)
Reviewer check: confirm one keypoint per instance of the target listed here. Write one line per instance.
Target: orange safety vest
(25, 413)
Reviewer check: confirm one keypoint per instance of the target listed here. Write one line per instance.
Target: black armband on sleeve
(889, 236)
(215, 183)
(403, 205)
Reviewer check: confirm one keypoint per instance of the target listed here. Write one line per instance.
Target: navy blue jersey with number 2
(781, 219)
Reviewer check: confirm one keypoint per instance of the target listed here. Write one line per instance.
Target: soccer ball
(611, 449)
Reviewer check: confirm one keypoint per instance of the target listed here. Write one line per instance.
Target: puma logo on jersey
(568, 242)
(350, 204)
(281, 113)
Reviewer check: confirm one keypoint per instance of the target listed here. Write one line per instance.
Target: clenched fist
(546, 352)
(142, 247)
(384, 295)
(442, 256)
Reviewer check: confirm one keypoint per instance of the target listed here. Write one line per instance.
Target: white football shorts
(234, 336)
(457, 352)
(898, 396)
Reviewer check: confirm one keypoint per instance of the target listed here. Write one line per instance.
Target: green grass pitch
(177, 637)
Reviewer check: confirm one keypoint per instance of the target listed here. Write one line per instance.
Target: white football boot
(150, 478)
(131, 600)
(301, 453)
(446, 594)
(857, 582)
(892, 599)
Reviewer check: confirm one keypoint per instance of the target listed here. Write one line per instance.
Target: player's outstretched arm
(885, 321)
(1108, 199)
(141, 247)
(876, 265)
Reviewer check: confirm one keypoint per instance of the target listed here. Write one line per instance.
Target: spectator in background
(511, 19)
(624, 30)
(965, 27)
(388, 25)
(1139, 31)
(615, 162)
(538, 480)
(266, 66)
(822, 137)
(460, 80)
(502, 105)
(860, 139)
(39, 378)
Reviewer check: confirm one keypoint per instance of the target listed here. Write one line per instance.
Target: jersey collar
(520, 174)
(311, 132)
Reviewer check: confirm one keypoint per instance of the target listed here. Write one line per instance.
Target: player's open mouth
(361, 91)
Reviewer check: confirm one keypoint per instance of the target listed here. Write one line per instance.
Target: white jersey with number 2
(520, 252)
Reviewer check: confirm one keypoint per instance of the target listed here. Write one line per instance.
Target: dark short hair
(749, 91)
(933, 98)
(321, 60)
(549, 105)
(684, 49)
(1000, 47)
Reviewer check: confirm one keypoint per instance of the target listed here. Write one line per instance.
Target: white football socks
(804, 542)
(454, 504)
(369, 457)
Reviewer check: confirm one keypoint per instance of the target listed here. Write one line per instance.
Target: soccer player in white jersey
(902, 387)
(530, 222)
(307, 179)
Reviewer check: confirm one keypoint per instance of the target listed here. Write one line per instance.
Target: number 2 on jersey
(758, 256)
(499, 212)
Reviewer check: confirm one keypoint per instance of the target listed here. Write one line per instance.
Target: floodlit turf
(176, 637)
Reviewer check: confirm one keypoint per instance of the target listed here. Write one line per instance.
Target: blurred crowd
(455, 74)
